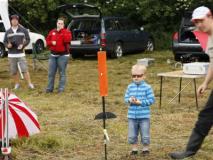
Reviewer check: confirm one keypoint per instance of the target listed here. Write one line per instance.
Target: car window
(2, 29)
(112, 25)
(128, 25)
(132, 26)
(92, 25)
(123, 25)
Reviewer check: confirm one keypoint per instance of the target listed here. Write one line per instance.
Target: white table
(181, 75)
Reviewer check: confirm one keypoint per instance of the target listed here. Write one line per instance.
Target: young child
(139, 96)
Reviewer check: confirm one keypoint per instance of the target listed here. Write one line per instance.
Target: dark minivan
(91, 31)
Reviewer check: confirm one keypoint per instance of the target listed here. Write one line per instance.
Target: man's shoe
(181, 155)
(194, 144)
(31, 86)
(17, 86)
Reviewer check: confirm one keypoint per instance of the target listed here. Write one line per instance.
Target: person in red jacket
(58, 42)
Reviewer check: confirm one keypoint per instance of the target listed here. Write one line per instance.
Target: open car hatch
(80, 10)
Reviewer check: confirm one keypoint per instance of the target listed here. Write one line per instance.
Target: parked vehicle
(35, 38)
(91, 31)
(185, 43)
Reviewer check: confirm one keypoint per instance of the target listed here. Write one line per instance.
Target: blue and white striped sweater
(144, 93)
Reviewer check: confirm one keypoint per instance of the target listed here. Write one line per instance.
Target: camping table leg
(180, 90)
(196, 93)
(161, 84)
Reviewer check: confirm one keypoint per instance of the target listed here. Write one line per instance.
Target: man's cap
(200, 13)
(14, 16)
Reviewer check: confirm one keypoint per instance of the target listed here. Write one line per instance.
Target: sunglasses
(137, 76)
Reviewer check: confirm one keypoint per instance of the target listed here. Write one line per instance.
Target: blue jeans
(136, 126)
(60, 63)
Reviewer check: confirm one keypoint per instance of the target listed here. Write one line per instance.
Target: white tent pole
(4, 13)
(2, 117)
(7, 113)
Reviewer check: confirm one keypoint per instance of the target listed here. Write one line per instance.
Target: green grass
(68, 128)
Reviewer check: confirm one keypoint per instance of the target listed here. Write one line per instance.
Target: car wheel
(118, 50)
(39, 46)
(150, 45)
(2, 51)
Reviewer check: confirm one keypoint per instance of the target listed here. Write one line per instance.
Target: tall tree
(161, 17)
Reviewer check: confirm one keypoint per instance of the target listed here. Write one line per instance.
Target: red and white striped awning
(22, 121)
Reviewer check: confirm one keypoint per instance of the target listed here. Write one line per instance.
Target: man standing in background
(15, 40)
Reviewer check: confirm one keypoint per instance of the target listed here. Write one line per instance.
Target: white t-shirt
(14, 29)
(209, 49)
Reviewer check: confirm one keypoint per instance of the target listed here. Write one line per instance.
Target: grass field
(68, 128)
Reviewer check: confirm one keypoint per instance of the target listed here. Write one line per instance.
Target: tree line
(160, 17)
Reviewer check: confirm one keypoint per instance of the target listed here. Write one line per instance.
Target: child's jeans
(139, 125)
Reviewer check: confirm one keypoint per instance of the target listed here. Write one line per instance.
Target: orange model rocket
(102, 72)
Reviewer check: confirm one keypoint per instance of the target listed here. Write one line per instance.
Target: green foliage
(47, 142)
(160, 17)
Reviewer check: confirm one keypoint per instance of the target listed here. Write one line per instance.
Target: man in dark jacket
(203, 20)
(58, 41)
(15, 40)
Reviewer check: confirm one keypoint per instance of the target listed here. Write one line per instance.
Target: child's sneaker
(31, 86)
(145, 151)
(133, 153)
(17, 86)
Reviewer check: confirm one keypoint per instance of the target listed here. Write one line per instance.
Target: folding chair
(38, 58)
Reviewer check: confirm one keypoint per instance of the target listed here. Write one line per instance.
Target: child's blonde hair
(138, 69)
